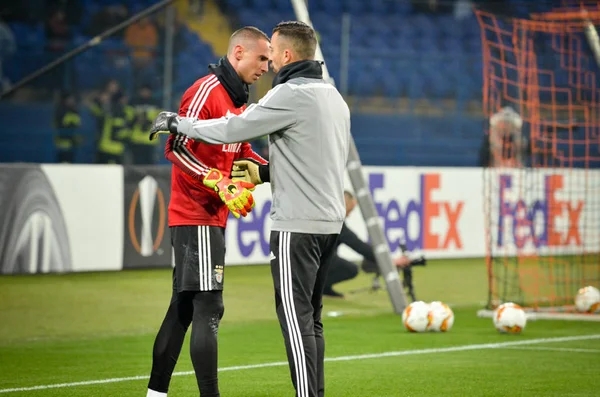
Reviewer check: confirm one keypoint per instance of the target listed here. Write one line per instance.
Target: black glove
(164, 123)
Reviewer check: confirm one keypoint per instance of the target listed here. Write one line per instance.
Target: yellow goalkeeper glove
(247, 170)
(237, 195)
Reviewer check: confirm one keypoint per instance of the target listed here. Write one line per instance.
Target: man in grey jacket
(308, 124)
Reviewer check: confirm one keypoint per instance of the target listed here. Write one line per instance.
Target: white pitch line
(556, 349)
(482, 346)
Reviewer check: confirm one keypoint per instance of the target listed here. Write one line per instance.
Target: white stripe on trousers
(200, 257)
(287, 300)
(204, 259)
(209, 259)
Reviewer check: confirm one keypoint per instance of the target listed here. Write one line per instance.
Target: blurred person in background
(67, 121)
(58, 35)
(142, 38)
(106, 18)
(463, 9)
(201, 192)
(143, 111)
(343, 270)
(7, 49)
(99, 105)
(58, 32)
(180, 40)
(507, 147)
(73, 9)
(433, 6)
(110, 110)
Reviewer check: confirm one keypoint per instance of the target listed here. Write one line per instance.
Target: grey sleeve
(274, 112)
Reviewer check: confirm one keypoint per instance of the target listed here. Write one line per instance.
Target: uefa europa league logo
(148, 196)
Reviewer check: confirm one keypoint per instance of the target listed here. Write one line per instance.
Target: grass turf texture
(81, 327)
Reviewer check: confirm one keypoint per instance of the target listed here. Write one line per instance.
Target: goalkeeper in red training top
(202, 195)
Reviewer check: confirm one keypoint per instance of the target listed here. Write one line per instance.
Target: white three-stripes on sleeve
(201, 96)
(186, 158)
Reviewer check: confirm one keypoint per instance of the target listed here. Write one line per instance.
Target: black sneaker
(334, 294)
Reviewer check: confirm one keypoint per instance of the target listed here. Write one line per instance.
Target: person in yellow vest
(114, 128)
(141, 113)
(67, 122)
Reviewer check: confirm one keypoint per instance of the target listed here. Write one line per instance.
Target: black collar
(308, 69)
(235, 87)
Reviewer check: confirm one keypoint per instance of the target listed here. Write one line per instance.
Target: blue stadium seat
(362, 81)
(416, 86)
(28, 36)
(283, 6)
(453, 45)
(392, 83)
(331, 7)
(258, 4)
(236, 4)
(395, 7)
(355, 7)
(424, 25)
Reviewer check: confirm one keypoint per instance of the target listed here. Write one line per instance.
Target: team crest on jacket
(219, 273)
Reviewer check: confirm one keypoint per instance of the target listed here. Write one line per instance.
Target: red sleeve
(194, 103)
(246, 152)
(179, 153)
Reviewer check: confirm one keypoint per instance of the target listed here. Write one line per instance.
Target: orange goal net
(541, 97)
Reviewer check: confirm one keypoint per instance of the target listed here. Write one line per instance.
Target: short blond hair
(246, 33)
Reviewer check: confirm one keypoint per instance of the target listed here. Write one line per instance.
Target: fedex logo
(519, 220)
(426, 211)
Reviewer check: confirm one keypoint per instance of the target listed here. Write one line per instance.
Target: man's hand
(235, 194)
(164, 123)
(247, 170)
(402, 262)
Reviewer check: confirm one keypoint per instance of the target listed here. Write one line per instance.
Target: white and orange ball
(441, 317)
(416, 317)
(587, 300)
(510, 318)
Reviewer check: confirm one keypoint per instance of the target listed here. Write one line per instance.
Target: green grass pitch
(64, 329)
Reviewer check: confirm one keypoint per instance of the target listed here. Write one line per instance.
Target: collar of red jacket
(235, 87)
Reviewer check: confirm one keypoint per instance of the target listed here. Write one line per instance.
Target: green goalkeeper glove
(249, 170)
(237, 195)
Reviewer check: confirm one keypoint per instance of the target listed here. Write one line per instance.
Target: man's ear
(287, 56)
(238, 52)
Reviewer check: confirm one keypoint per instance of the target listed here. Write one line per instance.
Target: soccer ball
(416, 317)
(441, 317)
(510, 318)
(587, 300)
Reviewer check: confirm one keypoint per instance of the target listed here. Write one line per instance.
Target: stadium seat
(393, 52)
(331, 7)
(355, 7)
(400, 8)
(28, 36)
